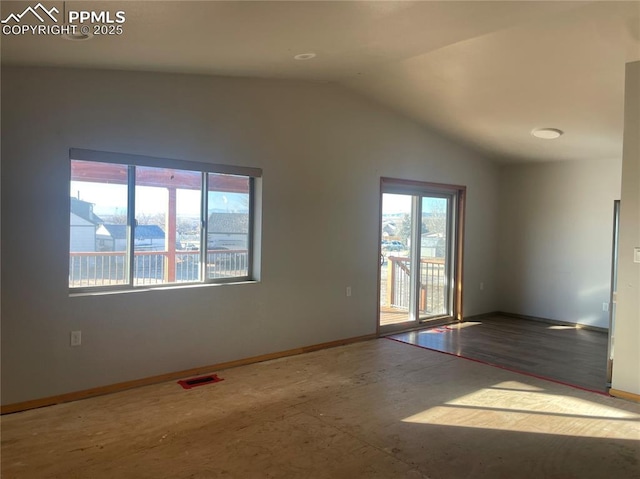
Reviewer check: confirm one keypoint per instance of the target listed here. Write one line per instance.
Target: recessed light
(547, 133)
(304, 56)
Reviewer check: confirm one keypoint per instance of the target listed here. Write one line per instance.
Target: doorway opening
(420, 276)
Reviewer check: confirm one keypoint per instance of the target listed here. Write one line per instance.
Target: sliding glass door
(420, 253)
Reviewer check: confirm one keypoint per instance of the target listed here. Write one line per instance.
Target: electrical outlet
(605, 306)
(481, 286)
(348, 290)
(76, 338)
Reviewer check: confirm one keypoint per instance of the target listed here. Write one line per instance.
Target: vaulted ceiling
(483, 73)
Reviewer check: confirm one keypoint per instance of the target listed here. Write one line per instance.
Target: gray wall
(322, 150)
(626, 360)
(556, 223)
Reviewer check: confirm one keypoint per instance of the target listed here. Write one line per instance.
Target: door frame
(613, 290)
(413, 187)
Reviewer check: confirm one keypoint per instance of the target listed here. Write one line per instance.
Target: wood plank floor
(562, 353)
(376, 409)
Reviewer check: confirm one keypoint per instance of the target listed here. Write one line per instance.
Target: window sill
(146, 289)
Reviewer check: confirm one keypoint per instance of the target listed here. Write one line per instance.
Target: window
(138, 221)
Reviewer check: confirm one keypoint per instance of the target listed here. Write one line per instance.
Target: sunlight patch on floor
(519, 407)
(516, 386)
(450, 327)
(464, 325)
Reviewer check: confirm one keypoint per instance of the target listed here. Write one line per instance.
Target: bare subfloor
(378, 409)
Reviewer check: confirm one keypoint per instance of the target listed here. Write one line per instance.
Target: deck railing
(87, 269)
(433, 284)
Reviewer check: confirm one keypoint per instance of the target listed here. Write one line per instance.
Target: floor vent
(201, 381)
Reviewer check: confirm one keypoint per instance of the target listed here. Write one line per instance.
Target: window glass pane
(167, 211)
(434, 284)
(396, 259)
(98, 198)
(229, 200)
(188, 206)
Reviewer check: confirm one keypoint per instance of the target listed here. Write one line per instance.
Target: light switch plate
(636, 254)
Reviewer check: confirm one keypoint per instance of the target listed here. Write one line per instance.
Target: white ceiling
(483, 73)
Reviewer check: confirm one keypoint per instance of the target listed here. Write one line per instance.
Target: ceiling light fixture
(80, 33)
(547, 133)
(77, 37)
(304, 56)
